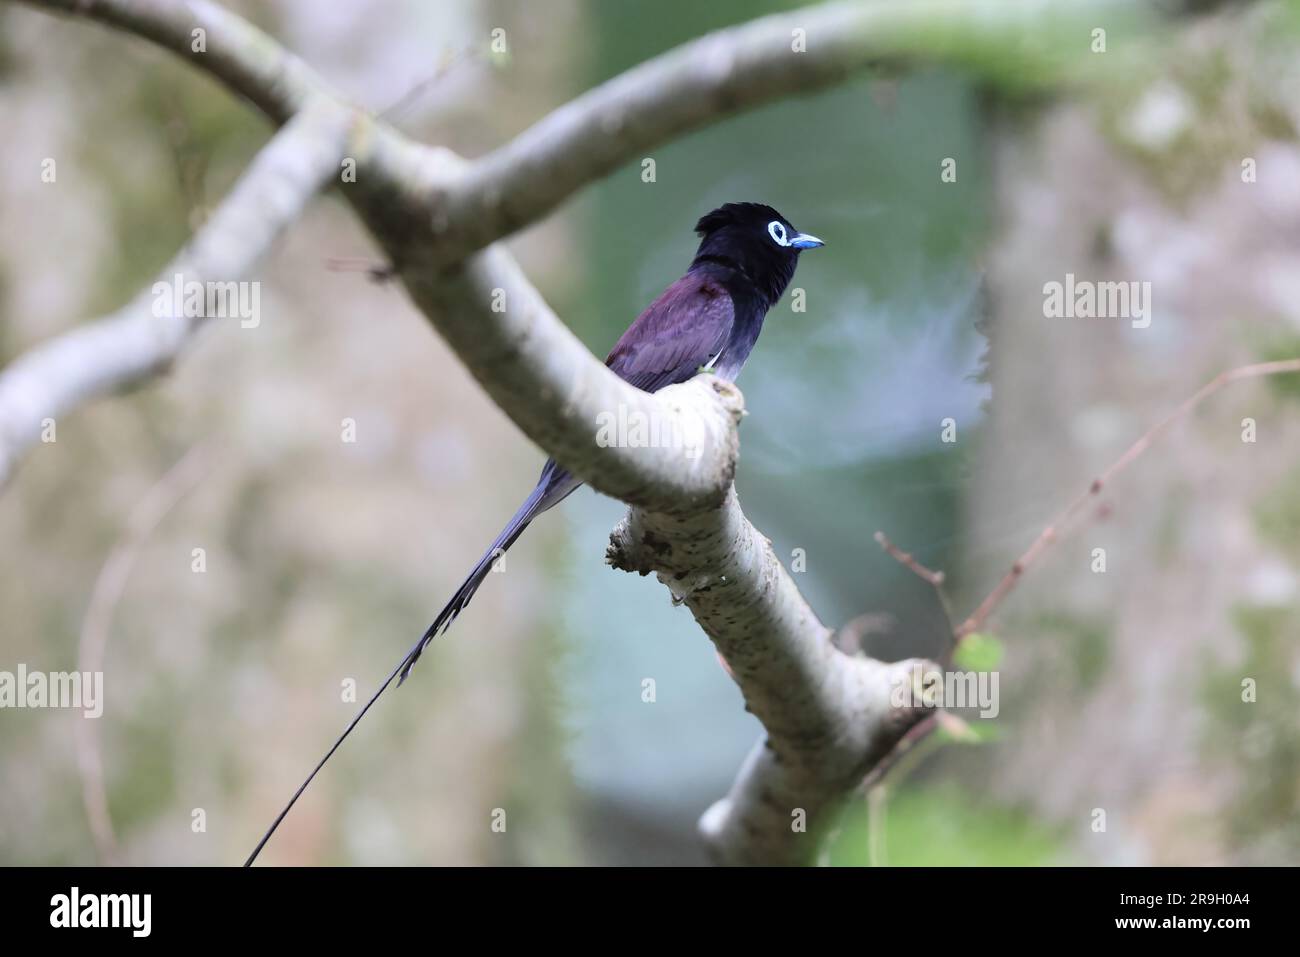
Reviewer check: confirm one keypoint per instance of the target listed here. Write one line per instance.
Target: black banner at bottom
(265, 905)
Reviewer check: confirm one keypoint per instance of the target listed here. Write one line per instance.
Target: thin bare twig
(376, 271)
(1057, 526)
(934, 578)
(924, 729)
(906, 744)
(450, 61)
(97, 624)
(908, 561)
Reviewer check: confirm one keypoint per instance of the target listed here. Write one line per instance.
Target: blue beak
(804, 241)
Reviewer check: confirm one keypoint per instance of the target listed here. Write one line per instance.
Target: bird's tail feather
(554, 486)
(533, 505)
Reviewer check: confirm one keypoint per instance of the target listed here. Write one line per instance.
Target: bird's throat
(744, 287)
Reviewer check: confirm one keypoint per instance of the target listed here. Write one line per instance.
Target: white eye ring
(776, 229)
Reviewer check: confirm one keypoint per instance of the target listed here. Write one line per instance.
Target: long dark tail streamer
(330, 753)
(552, 478)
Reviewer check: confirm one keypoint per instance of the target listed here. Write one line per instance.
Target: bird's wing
(682, 330)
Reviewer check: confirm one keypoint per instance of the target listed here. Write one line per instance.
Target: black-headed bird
(707, 320)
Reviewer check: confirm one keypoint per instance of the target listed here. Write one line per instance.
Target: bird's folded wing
(681, 331)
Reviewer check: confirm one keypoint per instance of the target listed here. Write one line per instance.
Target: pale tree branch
(728, 71)
(554, 389)
(232, 51)
(431, 210)
(724, 73)
(136, 343)
(828, 716)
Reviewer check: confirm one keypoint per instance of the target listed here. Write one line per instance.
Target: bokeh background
(324, 559)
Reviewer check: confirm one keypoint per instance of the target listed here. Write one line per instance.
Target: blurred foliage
(946, 827)
(1277, 515)
(1083, 640)
(1255, 732)
(1277, 345)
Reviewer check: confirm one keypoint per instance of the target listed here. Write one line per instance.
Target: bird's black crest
(730, 213)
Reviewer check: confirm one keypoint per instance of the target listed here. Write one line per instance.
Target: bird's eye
(776, 229)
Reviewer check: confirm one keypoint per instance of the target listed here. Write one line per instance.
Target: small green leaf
(979, 651)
